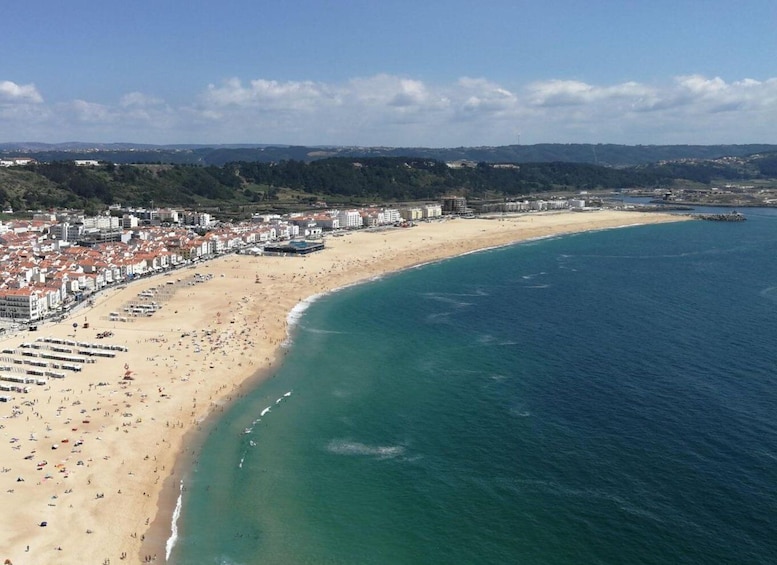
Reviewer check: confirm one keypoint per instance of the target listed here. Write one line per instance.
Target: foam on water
(170, 544)
(533, 275)
(633, 389)
(348, 447)
(295, 315)
(297, 312)
(769, 293)
(323, 332)
(448, 299)
(439, 318)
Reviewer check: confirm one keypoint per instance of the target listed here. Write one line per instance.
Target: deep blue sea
(601, 398)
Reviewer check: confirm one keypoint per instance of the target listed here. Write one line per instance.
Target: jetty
(728, 217)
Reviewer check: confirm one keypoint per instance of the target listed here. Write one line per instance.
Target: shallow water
(600, 398)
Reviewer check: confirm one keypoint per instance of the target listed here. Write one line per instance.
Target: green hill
(242, 186)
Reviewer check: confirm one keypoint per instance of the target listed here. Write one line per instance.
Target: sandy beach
(90, 463)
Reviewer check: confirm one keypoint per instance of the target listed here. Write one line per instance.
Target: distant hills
(238, 180)
(610, 155)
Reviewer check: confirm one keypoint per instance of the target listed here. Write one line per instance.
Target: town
(58, 259)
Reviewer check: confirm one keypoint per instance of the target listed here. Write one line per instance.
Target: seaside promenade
(91, 463)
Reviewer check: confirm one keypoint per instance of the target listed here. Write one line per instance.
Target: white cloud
(389, 100)
(716, 95)
(386, 109)
(410, 93)
(139, 100)
(89, 112)
(478, 96)
(266, 95)
(571, 92)
(10, 92)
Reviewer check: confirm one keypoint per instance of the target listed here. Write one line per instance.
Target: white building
(557, 204)
(327, 222)
(349, 219)
(264, 218)
(314, 232)
(432, 211)
(65, 231)
(200, 219)
(391, 216)
(371, 219)
(411, 214)
(102, 223)
(21, 304)
(285, 230)
(16, 161)
(168, 215)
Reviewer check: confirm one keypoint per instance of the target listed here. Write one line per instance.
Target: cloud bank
(400, 111)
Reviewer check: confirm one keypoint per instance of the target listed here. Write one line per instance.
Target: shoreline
(210, 344)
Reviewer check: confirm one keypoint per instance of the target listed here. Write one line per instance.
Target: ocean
(599, 398)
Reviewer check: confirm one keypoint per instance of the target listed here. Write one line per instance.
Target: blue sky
(394, 73)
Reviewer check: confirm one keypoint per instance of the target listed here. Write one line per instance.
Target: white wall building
(313, 231)
(168, 215)
(16, 161)
(349, 219)
(391, 216)
(411, 214)
(102, 222)
(328, 222)
(200, 219)
(129, 221)
(432, 211)
(65, 231)
(21, 304)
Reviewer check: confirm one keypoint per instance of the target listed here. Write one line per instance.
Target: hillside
(294, 184)
(240, 187)
(599, 154)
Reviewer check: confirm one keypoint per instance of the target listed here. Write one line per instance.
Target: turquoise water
(601, 398)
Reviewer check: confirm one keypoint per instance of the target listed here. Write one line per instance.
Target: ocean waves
(622, 414)
(355, 448)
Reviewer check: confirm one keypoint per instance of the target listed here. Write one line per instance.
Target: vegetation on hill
(264, 185)
(611, 155)
(243, 186)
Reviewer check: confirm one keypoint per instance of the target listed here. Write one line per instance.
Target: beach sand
(99, 458)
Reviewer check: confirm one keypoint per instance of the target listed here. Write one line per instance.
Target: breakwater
(729, 217)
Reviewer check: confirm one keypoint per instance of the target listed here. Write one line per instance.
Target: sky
(400, 73)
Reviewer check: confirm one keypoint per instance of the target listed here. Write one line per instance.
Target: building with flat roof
(294, 247)
(454, 205)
